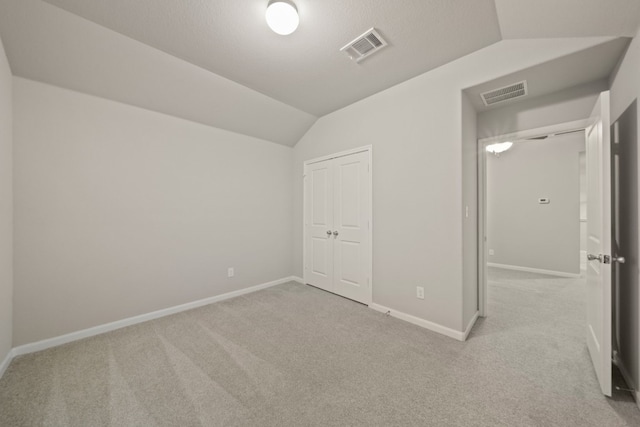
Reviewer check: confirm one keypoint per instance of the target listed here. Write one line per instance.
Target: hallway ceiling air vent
(505, 93)
(364, 46)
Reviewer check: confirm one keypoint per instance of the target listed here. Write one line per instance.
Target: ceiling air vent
(506, 93)
(365, 45)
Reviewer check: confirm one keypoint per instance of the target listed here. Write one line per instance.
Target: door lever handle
(592, 257)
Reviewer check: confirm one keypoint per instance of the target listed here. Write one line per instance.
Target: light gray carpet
(293, 355)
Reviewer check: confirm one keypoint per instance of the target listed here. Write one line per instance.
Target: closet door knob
(335, 233)
(328, 232)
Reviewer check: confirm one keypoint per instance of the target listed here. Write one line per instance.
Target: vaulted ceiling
(217, 62)
(306, 69)
(585, 66)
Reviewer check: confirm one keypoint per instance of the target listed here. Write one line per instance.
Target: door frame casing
(482, 192)
(368, 149)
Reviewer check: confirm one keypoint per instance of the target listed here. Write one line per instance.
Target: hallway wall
(521, 232)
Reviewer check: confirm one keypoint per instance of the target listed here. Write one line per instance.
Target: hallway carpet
(293, 355)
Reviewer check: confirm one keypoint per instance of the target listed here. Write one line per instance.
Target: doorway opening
(594, 288)
(533, 228)
(529, 206)
(533, 201)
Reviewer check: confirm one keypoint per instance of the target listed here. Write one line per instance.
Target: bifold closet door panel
(319, 225)
(351, 223)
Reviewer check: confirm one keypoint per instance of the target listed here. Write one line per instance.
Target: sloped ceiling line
(225, 68)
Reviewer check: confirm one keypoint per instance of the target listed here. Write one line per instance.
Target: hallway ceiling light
(282, 16)
(499, 147)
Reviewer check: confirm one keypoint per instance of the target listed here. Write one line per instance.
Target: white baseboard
(627, 378)
(298, 279)
(534, 270)
(108, 327)
(5, 363)
(435, 327)
(472, 322)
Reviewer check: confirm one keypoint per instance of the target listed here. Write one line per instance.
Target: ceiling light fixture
(498, 148)
(282, 16)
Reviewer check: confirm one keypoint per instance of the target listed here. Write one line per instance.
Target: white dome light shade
(499, 148)
(282, 17)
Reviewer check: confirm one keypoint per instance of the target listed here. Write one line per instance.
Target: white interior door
(337, 222)
(351, 226)
(319, 225)
(599, 242)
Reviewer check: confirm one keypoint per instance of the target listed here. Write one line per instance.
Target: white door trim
(531, 133)
(369, 150)
(482, 192)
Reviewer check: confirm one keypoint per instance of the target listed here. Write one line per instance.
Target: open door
(599, 242)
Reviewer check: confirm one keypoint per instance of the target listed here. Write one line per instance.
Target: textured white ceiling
(306, 69)
(568, 18)
(216, 61)
(47, 44)
(585, 66)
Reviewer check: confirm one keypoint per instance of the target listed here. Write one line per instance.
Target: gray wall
(564, 106)
(625, 89)
(470, 210)
(522, 232)
(415, 131)
(121, 211)
(6, 208)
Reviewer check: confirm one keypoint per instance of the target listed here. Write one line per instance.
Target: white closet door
(351, 224)
(319, 225)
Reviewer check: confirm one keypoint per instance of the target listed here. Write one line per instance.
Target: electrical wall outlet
(419, 292)
(492, 252)
(230, 272)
